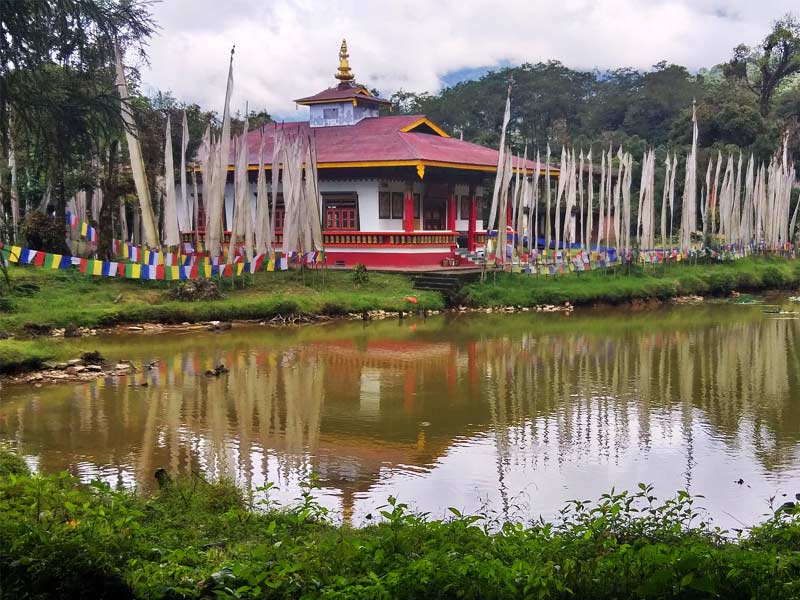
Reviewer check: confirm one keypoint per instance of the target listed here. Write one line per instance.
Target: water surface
(511, 414)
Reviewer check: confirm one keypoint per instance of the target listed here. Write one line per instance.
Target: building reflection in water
(506, 416)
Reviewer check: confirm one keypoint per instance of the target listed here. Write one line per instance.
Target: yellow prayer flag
(136, 271)
(97, 267)
(15, 252)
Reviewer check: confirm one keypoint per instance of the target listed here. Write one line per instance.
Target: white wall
(462, 224)
(347, 114)
(367, 191)
(391, 187)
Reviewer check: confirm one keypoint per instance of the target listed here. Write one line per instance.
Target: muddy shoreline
(77, 370)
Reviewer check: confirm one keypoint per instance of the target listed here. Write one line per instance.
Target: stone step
(447, 283)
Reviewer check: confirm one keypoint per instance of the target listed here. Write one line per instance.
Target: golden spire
(344, 74)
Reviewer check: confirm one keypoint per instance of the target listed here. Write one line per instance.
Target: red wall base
(387, 259)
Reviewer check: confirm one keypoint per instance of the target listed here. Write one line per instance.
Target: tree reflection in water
(451, 412)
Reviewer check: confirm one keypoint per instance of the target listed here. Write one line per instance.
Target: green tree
(57, 96)
(764, 68)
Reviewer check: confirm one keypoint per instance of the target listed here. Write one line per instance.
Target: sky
(287, 49)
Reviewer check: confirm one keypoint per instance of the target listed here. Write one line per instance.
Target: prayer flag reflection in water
(514, 414)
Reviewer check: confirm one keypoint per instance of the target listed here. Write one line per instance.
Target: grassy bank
(23, 355)
(67, 298)
(60, 539)
(60, 298)
(637, 283)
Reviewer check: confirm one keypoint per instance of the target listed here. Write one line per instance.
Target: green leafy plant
(360, 274)
(60, 538)
(42, 232)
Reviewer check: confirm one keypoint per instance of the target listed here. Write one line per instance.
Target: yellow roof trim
(425, 121)
(362, 91)
(337, 101)
(401, 163)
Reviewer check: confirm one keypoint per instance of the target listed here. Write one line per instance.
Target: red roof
(381, 140)
(342, 92)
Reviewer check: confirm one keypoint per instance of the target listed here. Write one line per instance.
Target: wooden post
(473, 218)
(451, 210)
(408, 209)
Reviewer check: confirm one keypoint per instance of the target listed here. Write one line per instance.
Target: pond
(512, 415)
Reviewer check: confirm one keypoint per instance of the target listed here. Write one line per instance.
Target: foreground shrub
(360, 274)
(194, 539)
(192, 291)
(44, 233)
(12, 464)
(333, 309)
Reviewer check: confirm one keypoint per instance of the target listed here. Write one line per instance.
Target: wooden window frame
(340, 211)
(397, 209)
(384, 205)
(464, 203)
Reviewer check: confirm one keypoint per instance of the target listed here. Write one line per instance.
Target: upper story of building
(353, 139)
(345, 104)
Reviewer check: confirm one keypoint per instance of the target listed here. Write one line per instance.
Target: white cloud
(287, 49)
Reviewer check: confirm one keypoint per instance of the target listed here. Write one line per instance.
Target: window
(280, 214)
(201, 214)
(397, 205)
(464, 206)
(416, 206)
(384, 205)
(341, 211)
(330, 113)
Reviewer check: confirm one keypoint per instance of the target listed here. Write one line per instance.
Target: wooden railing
(389, 238)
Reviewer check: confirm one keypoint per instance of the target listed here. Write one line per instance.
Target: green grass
(60, 298)
(618, 285)
(60, 539)
(23, 355)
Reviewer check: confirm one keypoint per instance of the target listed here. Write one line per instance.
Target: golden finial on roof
(344, 74)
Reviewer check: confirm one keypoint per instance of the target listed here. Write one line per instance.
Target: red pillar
(408, 209)
(472, 366)
(452, 374)
(473, 218)
(409, 385)
(451, 211)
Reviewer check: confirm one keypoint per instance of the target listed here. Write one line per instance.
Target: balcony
(374, 239)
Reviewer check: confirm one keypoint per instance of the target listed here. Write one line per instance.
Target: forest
(747, 102)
